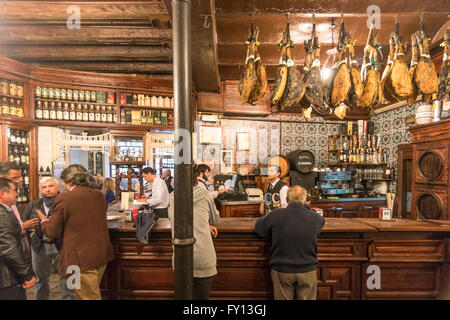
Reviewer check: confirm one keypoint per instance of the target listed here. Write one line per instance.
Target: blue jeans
(42, 263)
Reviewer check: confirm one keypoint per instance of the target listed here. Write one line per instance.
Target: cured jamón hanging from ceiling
(425, 74)
(295, 87)
(253, 81)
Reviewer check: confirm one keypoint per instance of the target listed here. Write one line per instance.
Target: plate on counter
(112, 217)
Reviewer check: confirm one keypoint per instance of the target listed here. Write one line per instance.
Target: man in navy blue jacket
(293, 232)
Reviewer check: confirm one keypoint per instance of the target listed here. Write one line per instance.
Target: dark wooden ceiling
(135, 37)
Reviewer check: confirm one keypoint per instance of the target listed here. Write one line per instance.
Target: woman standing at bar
(79, 217)
(205, 215)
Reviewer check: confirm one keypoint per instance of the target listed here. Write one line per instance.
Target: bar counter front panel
(413, 257)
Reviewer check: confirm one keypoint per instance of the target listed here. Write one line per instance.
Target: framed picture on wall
(226, 161)
(210, 135)
(243, 141)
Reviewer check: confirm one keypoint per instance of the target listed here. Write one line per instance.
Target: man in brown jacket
(79, 217)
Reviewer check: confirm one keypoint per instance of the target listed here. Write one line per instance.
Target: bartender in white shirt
(159, 201)
(277, 190)
(203, 171)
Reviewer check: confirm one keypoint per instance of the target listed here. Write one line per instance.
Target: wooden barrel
(302, 160)
(280, 161)
(424, 113)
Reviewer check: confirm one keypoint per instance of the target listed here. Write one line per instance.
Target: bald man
(293, 231)
(45, 251)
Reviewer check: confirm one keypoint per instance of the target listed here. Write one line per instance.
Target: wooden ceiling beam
(59, 11)
(327, 6)
(35, 53)
(111, 67)
(205, 70)
(58, 35)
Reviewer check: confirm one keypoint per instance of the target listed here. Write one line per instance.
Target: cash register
(236, 192)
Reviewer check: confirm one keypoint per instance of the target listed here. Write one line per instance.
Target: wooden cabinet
(350, 209)
(405, 176)
(239, 211)
(430, 169)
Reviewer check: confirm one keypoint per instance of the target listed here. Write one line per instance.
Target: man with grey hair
(293, 231)
(12, 172)
(45, 251)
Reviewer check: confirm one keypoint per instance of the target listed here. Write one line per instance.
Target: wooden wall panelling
(410, 269)
(340, 261)
(438, 151)
(234, 105)
(433, 202)
(404, 179)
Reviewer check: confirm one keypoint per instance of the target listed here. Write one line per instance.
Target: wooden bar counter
(412, 257)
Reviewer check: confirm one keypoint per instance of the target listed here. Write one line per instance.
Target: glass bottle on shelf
(16, 156)
(20, 89)
(93, 96)
(12, 108)
(12, 88)
(98, 113)
(39, 109)
(79, 112)
(66, 112)
(345, 143)
(19, 108)
(114, 114)
(104, 114)
(57, 93)
(37, 92)
(59, 111)
(81, 95)
(51, 93)
(44, 93)
(12, 136)
(69, 94)
(5, 106)
(63, 94)
(109, 114)
(92, 113)
(52, 111)
(72, 112)
(75, 95)
(26, 178)
(23, 159)
(11, 153)
(122, 116)
(46, 111)
(24, 137)
(85, 112)
(147, 100)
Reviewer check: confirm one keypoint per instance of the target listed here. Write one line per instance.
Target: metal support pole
(182, 74)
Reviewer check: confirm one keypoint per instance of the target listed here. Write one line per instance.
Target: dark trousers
(13, 293)
(202, 287)
(161, 213)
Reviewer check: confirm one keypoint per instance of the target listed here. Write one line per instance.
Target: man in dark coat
(293, 231)
(45, 251)
(16, 273)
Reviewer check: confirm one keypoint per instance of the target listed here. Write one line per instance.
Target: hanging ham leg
(357, 87)
(248, 76)
(280, 80)
(386, 87)
(260, 86)
(399, 76)
(425, 76)
(295, 87)
(412, 70)
(444, 75)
